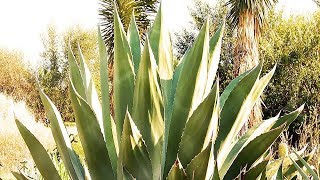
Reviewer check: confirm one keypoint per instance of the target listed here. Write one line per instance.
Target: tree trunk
(246, 56)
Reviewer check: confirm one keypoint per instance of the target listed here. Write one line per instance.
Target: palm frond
(144, 11)
(259, 9)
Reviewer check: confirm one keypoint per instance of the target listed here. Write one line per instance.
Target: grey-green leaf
(123, 74)
(133, 151)
(108, 122)
(60, 135)
(253, 151)
(147, 110)
(200, 127)
(38, 153)
(134, 42)
(189, 92)
(91, 138)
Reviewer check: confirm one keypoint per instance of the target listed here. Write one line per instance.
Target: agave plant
(292, 166)
(170, 123)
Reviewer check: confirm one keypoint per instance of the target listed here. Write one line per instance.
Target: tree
(247, 18)
(143, 11)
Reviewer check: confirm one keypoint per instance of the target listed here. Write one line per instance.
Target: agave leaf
(235, 115)
(252, 152)
(134, 152)
(38, 153)
(160, 43)
(108, 123)
(238, 146)
(314, 175)
(19, 176)
(91, 97)
(288, 118)
(225, 95)
(201, 166)
(214, 57)
(91, 138)
(301, 172)
(255, 171)
(147, 110)
(177, 172)
(191, 90)
(123, 74)
(216, 172)
(134, 42)
(60, 135)
(75, 74)
(200, 127)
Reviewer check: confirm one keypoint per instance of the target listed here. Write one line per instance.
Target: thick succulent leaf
(314, 175)
(200, 127)
(288, 118)
(123, 74)
(301, 172)
(238, 107)
(190, 91)
(91, 138)
(201, 166)
(169, 90)
(225, 95)
(75, 74)
(177, 172)
(19, 176)
(108, 123)
(60, 135)
(134, 42)
(255, 171)
(147, 110)
(214, 57)
(134, 154)
(161, 46)
(38, 153)
(216, 175)
(91, 97)
(238, 146)
(253, 151)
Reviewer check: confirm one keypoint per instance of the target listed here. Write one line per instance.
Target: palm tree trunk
(246, 56)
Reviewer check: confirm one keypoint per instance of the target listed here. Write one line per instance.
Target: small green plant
(169, 123)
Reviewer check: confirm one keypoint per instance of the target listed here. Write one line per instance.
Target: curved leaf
(123, 74)
(61, 137)
(134, 42)
(38, 153)
(135, 157)
(200, 127)
(91, 138)
(177, 172)
(252, 152)
(108, 123)
(190, 91)
(147, 110)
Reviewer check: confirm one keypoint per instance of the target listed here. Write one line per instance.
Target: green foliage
(168, 122)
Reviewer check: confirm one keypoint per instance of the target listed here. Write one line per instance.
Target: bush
(18, 80)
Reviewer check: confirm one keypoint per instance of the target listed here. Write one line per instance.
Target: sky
(23, 22)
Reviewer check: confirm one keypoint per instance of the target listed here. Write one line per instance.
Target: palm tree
(247, 18)
(144, 11)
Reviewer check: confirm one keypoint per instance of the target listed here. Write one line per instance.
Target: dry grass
(13, 150)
